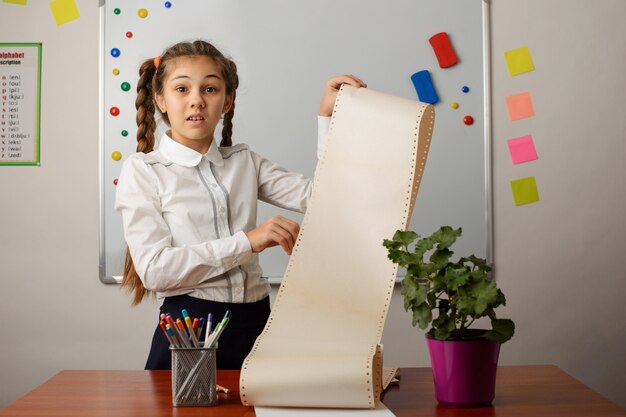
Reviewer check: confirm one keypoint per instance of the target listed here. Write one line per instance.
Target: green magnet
(124, 132)
(125, 86)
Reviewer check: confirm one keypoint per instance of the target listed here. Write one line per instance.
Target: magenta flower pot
(464, 371)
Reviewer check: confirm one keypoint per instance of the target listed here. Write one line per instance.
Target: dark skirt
(246, 323)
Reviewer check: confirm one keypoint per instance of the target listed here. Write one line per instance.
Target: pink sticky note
(519, 106)
(522, 149)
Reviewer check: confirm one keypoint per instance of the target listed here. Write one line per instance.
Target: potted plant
(450, 296)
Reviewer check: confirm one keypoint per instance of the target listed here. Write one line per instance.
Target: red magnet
(114, 111)
(129, 35)
(468, 120)
(443, 49)
(115, 181)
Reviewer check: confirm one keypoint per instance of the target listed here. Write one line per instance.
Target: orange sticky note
(518, 61)
(64, 11)
(20, 2)
(524, 191)
(520, 106)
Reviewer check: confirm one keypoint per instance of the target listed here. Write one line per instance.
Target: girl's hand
(331, 89)
(276, 231)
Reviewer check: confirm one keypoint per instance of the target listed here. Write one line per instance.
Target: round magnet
(117, 11)
(116, 155)
(115, 52)
(125, 86)
(468, 120)
(115, 181)
(124, 133)
(465, 89)
(454, 105)
(168, 4)
(143, 13)
(116, 71)
(114, 111)
(129, 35)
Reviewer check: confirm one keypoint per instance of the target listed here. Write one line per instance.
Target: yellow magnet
(143, 13)
(116, 155)
(454, 105)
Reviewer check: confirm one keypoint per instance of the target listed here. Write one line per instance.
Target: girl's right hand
(331, 89)
(276, 231)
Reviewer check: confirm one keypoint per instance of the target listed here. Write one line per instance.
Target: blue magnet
(465, 89)
(115, 52)
(168, 4)
(424, 87)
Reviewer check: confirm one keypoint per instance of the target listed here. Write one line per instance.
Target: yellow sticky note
(64, 11)
(21, 2)
(519, 61)
(524, 191)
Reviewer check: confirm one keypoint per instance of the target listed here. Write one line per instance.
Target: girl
(189, 206)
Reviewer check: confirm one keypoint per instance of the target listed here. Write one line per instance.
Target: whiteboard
(285, 50)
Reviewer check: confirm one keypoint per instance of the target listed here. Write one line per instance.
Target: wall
(557, 260)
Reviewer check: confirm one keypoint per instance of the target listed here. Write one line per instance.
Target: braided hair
(152, 75)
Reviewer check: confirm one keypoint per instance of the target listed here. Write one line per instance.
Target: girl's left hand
(331, 89)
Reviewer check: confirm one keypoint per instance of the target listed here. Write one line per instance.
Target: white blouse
(185, 216)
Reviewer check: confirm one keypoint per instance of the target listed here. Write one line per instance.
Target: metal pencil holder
(193, 377)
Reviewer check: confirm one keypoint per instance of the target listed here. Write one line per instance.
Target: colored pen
(164, 328)
(218, 331)
(200, 327)
(221, 388)
(192, 333)
(182, 333)
(170, 332)
(170, 321)
(208, 329)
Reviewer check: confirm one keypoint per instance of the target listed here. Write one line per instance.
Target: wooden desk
(521, 391)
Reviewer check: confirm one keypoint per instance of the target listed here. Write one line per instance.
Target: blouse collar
(187, 157)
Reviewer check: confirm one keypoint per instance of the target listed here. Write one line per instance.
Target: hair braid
(227, 126)
(144, 103)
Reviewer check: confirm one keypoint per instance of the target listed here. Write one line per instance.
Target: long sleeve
(160, 264)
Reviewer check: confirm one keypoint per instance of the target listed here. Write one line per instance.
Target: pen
(208, 329)
(221, 388)
(192, 333)
(182, 333)
(175, 329)
(218, 331)
(200, 327)
(164, 328)
(170, 332)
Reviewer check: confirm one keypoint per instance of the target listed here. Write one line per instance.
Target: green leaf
(446, 236)
(485, 293)
(440, 257)
(501, 331)
(422, 316)
(423, 245)
(444, 327)
(413, 292)
(454, 278)
(405, 237)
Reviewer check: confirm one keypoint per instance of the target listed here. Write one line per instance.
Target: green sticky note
(21, 2)
(524, 191)
(64, 11)
(518, 61)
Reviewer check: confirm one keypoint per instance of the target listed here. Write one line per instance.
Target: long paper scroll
(321, 345)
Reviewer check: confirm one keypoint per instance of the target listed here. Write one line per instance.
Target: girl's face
(194, 97)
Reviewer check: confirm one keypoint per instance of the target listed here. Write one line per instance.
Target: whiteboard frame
(487, 127)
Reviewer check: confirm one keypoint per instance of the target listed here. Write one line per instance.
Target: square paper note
(518, 61)
(522, 149)
(524, 191)
(520, 106)
(64, 11)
